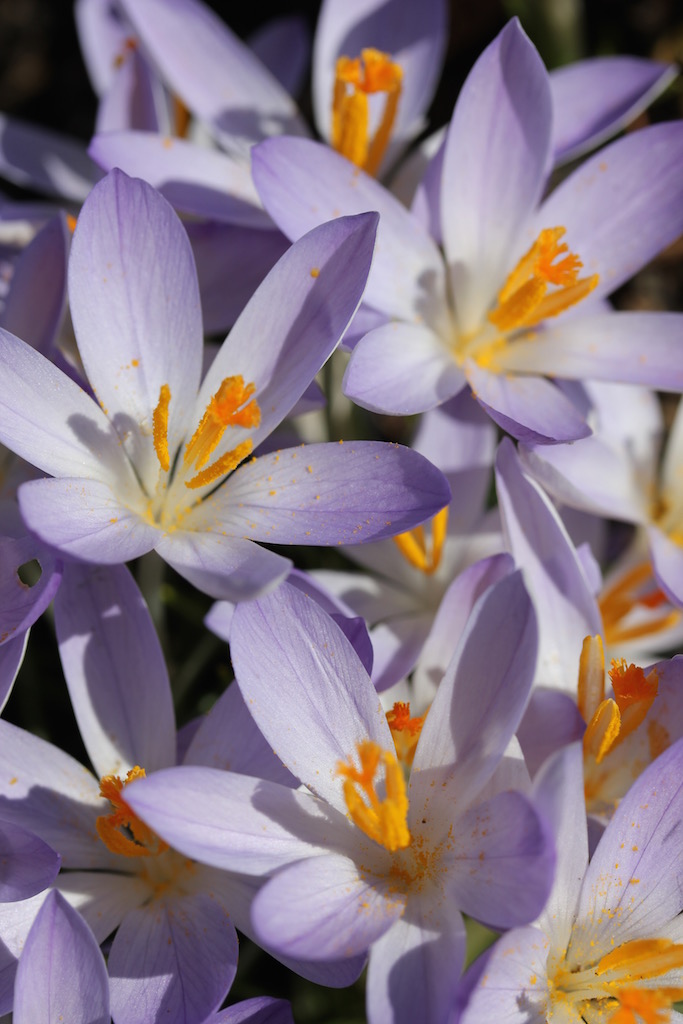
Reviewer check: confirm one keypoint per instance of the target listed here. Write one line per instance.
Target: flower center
(422, 549)
(355, 79)
(385, 820)
(121, 831)
(619, 982)
(544, 284)
(405, 731)
(629, 608)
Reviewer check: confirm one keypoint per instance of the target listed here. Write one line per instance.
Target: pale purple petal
(136, 331)
(44, 260)
(593, 99)
(414, 968)
(513, 988)
(133, 99)
(28, 864)
(303, 184)
(61, 974)
(345, 493)
(622, 206)
(401, 369)
(480, 700)
(193, 178)
(494, 168)
(397, 645)
(324, 908)
(566, 607)
(294, 665)
(101, 35)
(234, 822)
(504, 862)
(214, 73)
(294, 321)
(667, 560)
(174, 959)
(260, 1010)
(20, 604)
(85, 519)
(530, 408)
(104, 897)
(11, 658)
(230, 568)
(15, 923)
(115, 670)
(551, 720)
(284, 45)
(36, 158)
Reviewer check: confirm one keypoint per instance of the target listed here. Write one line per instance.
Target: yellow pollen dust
(421, 550)
(385, 821)
(405, 731)
(112, 828)
(636, 588)
(355, 79)
(524, 300)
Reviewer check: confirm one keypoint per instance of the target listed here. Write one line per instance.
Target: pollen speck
(315, 271)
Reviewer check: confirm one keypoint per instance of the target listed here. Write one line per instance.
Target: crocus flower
(359, 859)
(155, 463)
(486, 317)
(608, 944)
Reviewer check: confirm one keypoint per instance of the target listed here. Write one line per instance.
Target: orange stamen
(160, 427)
(421, 552)
(355, 79)
(143, 842)
(637, 587)
(384, 821)
(405, 731)
(591, 687)
(634, 693)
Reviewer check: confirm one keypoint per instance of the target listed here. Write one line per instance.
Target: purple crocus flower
(156, 464)
(358, 859)
(609, 944)
(487, 316)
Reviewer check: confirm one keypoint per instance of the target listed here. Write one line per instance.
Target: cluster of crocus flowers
(468, 714)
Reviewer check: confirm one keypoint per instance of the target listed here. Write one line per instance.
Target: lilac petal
(20, 604)
(294, 321)
(397, 645)
(608, 347)
(551, 721)
(115, 670)
(636, 870)
(260, 1010)
(43, 160)
(414, 967)
(174, 959)
(15, 924)
(102, 36)
(287, 636)
(103, 898)
(324, 908)
(415, 37)
(505, 861)
(234, 822)
(61, 973)
(401, 369)
(219, 619)
(11, 658)
(593, 99)
(303, 184)
(232, 261)
(136, 331)
(193, 178)
(566, 607)
(622, 206)
(481, 698)
(43, 259)
(132, 97)
(28, 864)
(229, 738)
(530, 408)
(85, 519)
(667, 560)
(284, 45)
(346, 493)
(50, 421)
(494, 168)
(425, 204)
(230, 568)
(215, 74)
(513, 987)
(452, 616)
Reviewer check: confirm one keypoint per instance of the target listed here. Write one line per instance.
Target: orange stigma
(422, 551)
(384, 821)
(524, 299)
(356, 78)
(111, 828)
(405, 731)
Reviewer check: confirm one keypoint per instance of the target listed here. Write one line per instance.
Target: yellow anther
(141, 841)
(642, 958)
(181, 117)
(637, 588)
(602, 731)
(355, 79)
(524, 300)
(229, 407)
(385, 821)
(160, 427)
(221, 467)
(591, 687)
(422, 552)
(405, 731)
